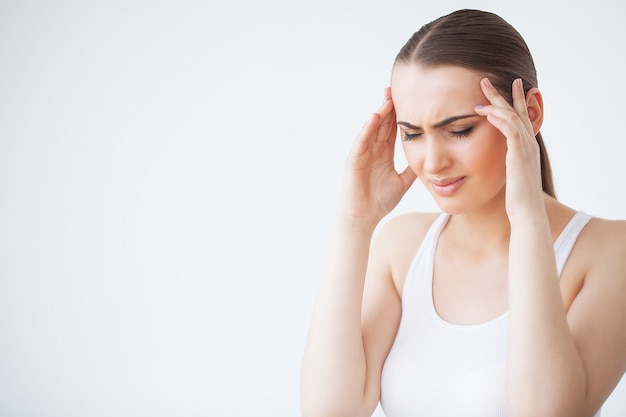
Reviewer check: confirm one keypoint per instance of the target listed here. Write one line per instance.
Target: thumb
(408, 177)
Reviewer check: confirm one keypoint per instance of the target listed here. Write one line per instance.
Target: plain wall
(169, 172)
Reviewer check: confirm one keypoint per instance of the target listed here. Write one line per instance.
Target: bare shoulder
(608, 231)
(598, 304)
(399, 239)
(602, 249)
(597, 259)
(602, 244)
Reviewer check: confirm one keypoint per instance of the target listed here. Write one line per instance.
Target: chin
(458, 205)
(451, 205)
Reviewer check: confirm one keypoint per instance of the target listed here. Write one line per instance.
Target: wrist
(528, 215)
(530, 225)
(356, 224)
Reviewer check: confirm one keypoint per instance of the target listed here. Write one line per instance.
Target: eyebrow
(439, 124)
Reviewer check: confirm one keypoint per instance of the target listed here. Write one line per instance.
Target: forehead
(427, 95)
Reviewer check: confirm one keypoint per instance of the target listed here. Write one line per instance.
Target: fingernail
(479, 106)
(487, 82)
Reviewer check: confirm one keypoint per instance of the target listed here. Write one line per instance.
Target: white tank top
(439, 369)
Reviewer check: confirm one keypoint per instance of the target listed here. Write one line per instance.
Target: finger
(519, 103)
(378, 128)
(519, 99)
(387, 130)
(492, 94)
(506, 122)
(516, 116)
(363, 139)
(496, 114)
(386, 107)
(388, 93)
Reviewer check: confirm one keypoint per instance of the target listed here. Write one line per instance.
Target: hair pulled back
(483, 42)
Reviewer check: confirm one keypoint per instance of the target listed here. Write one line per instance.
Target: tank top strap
(420, 272)
(566, 240)
(421, 266)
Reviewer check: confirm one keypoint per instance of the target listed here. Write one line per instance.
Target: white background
(169, 172)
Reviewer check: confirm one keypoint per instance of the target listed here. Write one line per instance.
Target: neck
(486, 229)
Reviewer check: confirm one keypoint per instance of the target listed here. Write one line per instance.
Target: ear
(534, 105)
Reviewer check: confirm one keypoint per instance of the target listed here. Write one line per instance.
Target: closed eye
(410, 136)
(462, 133)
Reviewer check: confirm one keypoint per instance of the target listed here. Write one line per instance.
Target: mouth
(447, 186)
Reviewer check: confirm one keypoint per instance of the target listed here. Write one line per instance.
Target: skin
(567, 342)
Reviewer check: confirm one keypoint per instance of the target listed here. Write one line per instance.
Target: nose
(436, 155)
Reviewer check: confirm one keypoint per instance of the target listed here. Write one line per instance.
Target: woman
(507, 303)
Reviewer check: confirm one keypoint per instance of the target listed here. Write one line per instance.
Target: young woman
(508, 303)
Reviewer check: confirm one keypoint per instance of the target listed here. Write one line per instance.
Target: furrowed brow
(440, 124)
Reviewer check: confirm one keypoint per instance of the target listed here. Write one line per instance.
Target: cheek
(488, 157)
(489, 149)
(413, 155)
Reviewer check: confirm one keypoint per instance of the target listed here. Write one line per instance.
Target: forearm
(545, 375)
(333, 369)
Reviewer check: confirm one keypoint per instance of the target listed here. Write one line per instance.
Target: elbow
(315, 404)
(560, 397)
(318, 412)
(318, 406)
(552, 407)
(324, 410)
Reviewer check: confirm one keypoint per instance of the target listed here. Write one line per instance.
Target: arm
(596, 316)
(557, 364)
(340, 373)
(545, 373)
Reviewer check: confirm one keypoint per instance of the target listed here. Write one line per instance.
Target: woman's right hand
(372, 187)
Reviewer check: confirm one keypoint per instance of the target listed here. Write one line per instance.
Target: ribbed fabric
(439, 369)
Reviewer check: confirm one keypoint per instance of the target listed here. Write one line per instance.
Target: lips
(447, 186)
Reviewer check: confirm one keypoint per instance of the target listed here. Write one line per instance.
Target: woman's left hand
(524, 194)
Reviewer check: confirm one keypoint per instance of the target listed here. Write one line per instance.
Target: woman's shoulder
(611, 227)
(406, 228)
(398, 241)
(605, 238)
(598, 233)
(600, 250)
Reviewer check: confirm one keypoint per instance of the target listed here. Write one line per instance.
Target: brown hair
(483, 42)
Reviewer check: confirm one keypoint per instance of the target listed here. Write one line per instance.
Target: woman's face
(458, 155)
